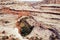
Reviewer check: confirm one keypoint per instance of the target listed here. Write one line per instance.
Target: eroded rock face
(8, 26)
(46, 20)
(7, 19)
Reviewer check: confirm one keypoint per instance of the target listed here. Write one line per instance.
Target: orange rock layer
(17, 12)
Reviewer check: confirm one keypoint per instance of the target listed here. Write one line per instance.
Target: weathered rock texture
(46, 15)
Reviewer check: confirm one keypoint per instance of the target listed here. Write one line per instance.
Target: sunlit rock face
(8, 26)
(7, 19)
(47, 16)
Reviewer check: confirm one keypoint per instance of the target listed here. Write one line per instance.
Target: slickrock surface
(44, 17)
